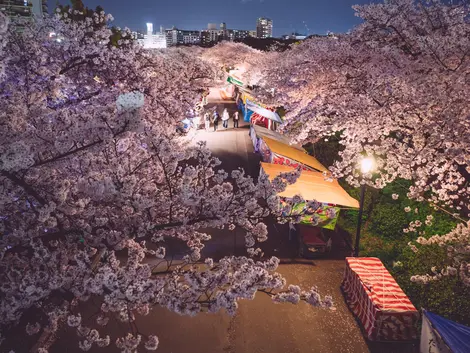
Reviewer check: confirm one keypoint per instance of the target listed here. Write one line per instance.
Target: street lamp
(367, 166)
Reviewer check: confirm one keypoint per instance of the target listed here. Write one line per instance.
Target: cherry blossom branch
(79, 149)
(21, 183)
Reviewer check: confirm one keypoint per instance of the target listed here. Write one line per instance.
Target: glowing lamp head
(367, 165)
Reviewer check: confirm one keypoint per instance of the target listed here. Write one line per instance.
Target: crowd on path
(216, 118)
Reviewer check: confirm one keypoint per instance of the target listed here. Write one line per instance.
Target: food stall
(323, 197)
(378, 302)
(258, 132)
(259, 114)
(276, 152)
(313, 241)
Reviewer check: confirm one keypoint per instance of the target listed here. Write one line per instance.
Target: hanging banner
(325, 216)
(263, 111)
(278, 159)
(234, 81)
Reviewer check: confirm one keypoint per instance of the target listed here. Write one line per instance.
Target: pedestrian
(215, 120)
(225, 117)
(235, 119)
(207, 121)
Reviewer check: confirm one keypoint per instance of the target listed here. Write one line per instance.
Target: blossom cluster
(390, 91)
(96, 184)
(457, 244)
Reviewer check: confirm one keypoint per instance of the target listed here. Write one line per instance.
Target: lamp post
(367, 165)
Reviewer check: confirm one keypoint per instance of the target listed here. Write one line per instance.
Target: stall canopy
(264, 112)
(311, 186)
(378, 302)
(258, 132)
(439, 335)
(276, 152)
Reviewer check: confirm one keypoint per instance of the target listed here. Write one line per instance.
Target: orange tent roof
(311, 186)
(276, 136)
(293, 153)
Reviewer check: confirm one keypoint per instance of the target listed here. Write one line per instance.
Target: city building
(211, 35)
(175, 36)
(39, 7)
(21, 10)
(191, 37)
(223, 34)
(237, 34)
(295, 36)
(264, 28)
(152, 40)
(206, 37)
(139, 36)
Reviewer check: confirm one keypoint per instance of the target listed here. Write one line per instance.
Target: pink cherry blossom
(390, 90)
(152, 343)
(96, 183)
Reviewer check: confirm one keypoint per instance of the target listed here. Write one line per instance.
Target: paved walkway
(259, 326)
(232, 146)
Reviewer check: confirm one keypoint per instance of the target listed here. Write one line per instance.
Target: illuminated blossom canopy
(245, 61)
(395, 88)
(230, 54)
(95, 182)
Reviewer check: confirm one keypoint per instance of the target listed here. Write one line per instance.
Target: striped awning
(378, 301)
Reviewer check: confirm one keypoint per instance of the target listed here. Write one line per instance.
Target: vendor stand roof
(312, 186)
(276, 136)
(293, 153)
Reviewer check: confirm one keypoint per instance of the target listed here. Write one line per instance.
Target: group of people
(216, 119)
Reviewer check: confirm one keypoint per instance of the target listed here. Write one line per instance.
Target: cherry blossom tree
(95, 185)
(395, 88)
(246, 62)
(230, 54)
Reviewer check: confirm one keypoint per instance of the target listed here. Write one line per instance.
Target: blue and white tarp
(439, 335)
(255, 108)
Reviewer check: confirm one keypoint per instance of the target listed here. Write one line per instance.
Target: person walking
(207, 121)
(235, 119)
(215, 120)
(225, 117)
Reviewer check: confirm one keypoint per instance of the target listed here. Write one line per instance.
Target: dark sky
(313, 16)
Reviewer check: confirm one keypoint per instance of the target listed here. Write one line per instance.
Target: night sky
(303, 16)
